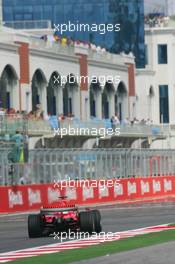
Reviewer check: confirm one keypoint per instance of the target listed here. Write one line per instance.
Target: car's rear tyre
(97, 218)
(35, 228)
(87, 222)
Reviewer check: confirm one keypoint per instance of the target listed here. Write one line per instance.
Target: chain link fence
(4, 166)
(47, 165)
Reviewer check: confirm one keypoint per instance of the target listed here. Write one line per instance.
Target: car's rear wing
(53, 210)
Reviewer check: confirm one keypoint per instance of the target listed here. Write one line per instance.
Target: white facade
(154, 75)
(49, 58)
(148, 80)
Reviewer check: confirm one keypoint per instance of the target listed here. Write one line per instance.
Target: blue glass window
(18, 17)
(28, 17)
(162, 54)
(47, 12)
(28, 9)
(38, 13)
(164, 103)
(8, 14)
(58, 15)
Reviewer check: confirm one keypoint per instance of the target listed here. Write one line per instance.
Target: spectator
(113, 122)
(148, 122)
(126, 121)
(44, 37)
(116, 120)
(143, 122)
(38, 111)
(134, 121)
(61, 117)
(2, 111)
(70, 42)
(64, 41)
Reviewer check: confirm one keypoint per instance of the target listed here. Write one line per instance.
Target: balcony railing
(28, 24)
(9, 124)
(135, 130)
(159, 22)
(54, 47)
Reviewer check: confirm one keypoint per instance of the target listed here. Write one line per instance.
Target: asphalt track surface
(13, 229)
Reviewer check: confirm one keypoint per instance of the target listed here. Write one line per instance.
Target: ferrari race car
(61, 218)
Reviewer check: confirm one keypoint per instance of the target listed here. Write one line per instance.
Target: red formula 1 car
(63, 217)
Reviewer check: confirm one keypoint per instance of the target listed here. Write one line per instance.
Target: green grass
(69, 256)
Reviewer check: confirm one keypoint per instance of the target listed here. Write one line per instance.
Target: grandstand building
(41, 77)
(32, 69)
(31, 82)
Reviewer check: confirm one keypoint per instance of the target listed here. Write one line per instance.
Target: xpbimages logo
(101, 184)
(72, 79)
(81, 27)
(70, 235)
(101, 132)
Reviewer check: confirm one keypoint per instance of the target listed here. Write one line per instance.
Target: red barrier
(32, 197)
